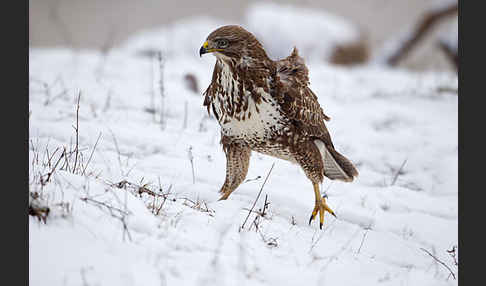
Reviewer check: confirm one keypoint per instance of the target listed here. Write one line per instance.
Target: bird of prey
(267, 106)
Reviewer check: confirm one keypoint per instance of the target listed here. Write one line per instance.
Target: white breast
(256, 124)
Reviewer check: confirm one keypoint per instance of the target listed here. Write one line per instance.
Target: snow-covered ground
(141, 208)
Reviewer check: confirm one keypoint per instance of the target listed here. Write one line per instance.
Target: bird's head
(234, 42)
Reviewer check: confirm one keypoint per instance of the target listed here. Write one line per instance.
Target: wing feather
(300, 104)
(297, 100)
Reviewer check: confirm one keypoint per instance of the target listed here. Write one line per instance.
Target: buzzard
(267, 106)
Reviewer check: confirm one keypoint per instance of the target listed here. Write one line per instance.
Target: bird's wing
(297, 100)
(300, 104)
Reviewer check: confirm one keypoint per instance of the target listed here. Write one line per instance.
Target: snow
(380, 118)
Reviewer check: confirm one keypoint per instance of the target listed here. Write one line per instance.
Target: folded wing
(300, 104)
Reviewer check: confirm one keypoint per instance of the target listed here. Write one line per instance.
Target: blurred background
(413, 34)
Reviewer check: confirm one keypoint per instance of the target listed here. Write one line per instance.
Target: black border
(15, 136)
(471, 91)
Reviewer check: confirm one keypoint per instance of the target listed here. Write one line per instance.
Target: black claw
(320, 225)
(310, 220)
(334, 215)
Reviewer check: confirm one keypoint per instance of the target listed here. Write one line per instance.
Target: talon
(327, 208)
(314, 213)
(320, 207)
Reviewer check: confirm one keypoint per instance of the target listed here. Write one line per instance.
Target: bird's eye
(223, 43)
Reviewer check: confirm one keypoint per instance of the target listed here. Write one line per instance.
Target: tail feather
(336, 166)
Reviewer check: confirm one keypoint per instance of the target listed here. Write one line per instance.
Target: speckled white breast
(258, 128)
(256, 124)
(259, 123)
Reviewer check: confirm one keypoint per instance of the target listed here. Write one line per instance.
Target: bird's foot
(321, 207)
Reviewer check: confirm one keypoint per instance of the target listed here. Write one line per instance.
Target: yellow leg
(320, 206)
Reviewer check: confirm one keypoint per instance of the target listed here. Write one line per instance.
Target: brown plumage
(267, 106)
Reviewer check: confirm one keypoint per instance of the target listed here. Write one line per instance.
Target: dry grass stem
(258, 196)
(398, 173)
(77, 133)
(451, 273)
(113, 211)
(452, 253)
(91, 155)
(199, 206)
(191, 159)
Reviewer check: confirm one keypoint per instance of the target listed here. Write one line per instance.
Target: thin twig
(91, 155)
(452, 253)
(139, 189)
(122, 213)
(55, 166)
(117, 151)
(109, 207)
(362, 240)
(258, 196)
(398, 172)
(198, 206)
(106, 106)
(49, 158)
(260, 214)
(254, 179)
(191, 159)
(66, 159)
(77, 134)
(436, 259)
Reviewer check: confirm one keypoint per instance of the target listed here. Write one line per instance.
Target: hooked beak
(205, 49)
